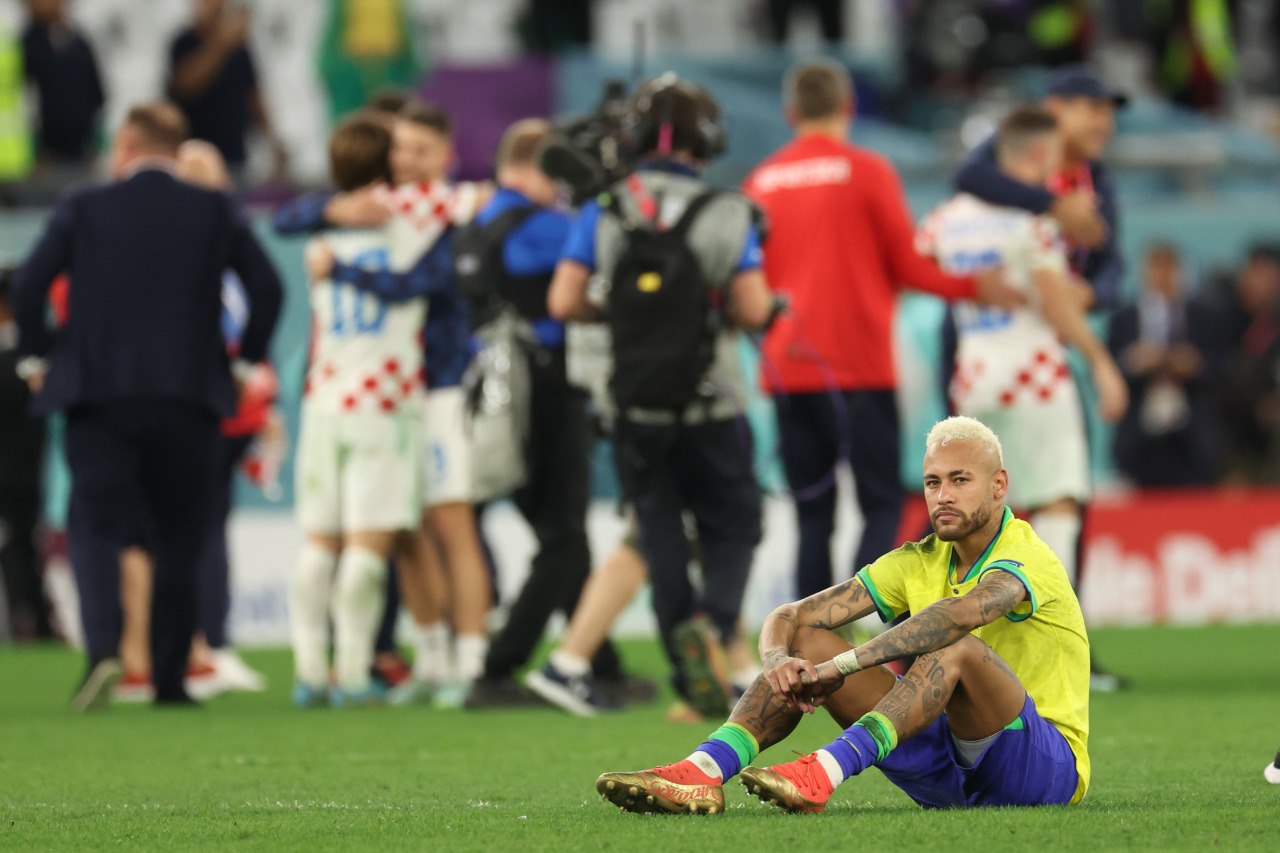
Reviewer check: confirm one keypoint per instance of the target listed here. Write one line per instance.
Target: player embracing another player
(1011, 366)
(359, 465)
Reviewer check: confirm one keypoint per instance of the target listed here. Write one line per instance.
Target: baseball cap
(1081, 81)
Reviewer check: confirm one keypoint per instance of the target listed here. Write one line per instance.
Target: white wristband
(847, 662)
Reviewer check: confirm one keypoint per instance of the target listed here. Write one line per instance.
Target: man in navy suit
(141, 369)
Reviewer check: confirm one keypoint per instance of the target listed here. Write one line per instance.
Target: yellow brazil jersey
(1043, 640)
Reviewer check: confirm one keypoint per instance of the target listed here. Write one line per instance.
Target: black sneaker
(703, 668)
(573, 693)
(627, 689)
(486, 693)
(95, 692)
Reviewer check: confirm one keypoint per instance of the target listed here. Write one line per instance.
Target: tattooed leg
(771, 720)
(763, 714)
(969, 681)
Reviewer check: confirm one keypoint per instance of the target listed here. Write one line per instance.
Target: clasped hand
(801, 684)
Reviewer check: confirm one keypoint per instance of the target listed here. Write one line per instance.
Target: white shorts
(447, 460)
(1046, 450)
(357, 472)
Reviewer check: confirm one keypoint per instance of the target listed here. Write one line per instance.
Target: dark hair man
(213, 78)
(841, 247)
(61, 64)
(1169, 345)
(141, 370)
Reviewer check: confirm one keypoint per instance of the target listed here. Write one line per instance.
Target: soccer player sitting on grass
(993, 711)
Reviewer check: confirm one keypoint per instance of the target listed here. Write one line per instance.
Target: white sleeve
(1045, 249)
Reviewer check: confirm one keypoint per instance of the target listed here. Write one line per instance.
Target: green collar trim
(986, 552)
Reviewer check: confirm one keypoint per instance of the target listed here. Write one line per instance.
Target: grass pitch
(1177, 764)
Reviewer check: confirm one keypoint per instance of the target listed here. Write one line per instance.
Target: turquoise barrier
(1213, 232)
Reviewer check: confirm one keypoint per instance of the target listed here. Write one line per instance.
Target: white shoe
(206, 685)
(237, 674)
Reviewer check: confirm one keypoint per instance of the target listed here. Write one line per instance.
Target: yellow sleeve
(885, 580)
(1020, 571)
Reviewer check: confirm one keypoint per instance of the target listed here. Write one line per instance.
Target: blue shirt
(580, 246)
(533, 248)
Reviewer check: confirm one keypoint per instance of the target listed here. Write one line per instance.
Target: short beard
(976, 522)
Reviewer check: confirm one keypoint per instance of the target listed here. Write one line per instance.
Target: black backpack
(482, 276)
(660, 314)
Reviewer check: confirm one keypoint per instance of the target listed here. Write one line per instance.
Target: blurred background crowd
(1196, 158)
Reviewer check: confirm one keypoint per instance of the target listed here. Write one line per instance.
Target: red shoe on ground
(135, 687)
(680, 788)
(797, 786)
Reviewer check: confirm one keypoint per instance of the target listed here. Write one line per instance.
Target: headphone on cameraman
(649, 117)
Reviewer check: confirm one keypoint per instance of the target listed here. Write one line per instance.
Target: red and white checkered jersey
(1003, 358)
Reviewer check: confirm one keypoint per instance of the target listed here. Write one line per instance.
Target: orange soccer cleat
(680, 788)
(797, 786)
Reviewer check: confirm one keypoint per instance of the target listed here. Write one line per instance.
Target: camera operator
(515, 245)
(682, 267)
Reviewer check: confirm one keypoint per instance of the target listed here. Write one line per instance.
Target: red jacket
(841, 244)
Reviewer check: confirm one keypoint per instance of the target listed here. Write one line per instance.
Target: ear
(1000, 484)
(790, 114)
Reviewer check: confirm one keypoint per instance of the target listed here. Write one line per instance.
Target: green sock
(730, 747)
(881, 731)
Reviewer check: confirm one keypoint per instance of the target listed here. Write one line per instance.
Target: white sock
(829, 764)
(431, 653)
(1061, 532)
(570, 665)
(309, 591)
(358, 599)
(469, 652)
(707, 765)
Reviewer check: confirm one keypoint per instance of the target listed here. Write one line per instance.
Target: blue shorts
(1031, 765)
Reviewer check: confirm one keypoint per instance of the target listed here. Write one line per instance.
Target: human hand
(1184, 361)
(826, 680)
(1113, 393)
(994, 290)
(319, 261)
(1142, 357)
(786, 676)
(357, 209)
(1077, 215)
(1082, 291)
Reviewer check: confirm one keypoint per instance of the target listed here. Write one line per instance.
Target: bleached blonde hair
(961, 428)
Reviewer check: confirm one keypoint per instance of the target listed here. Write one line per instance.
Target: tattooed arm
(935, 627)
(826, 610)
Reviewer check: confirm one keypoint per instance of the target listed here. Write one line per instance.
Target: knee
(967, 649)
(817, 645)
